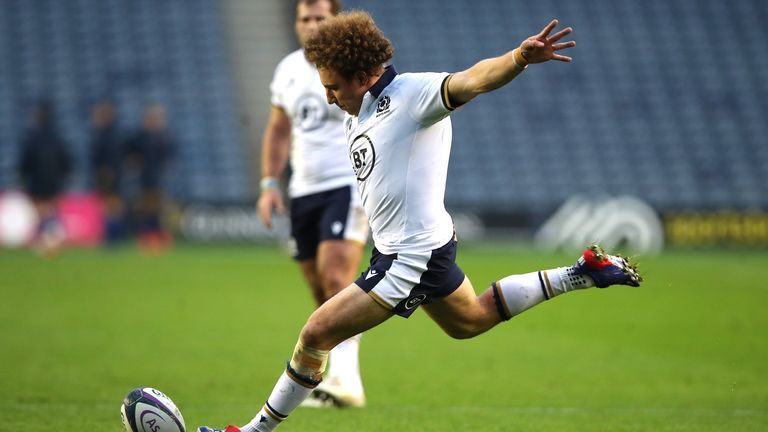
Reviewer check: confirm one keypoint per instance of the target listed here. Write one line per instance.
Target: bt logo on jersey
(363, 157)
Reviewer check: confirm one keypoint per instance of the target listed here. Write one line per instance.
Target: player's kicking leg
(464, 315)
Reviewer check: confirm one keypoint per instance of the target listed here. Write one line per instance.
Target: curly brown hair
(349, 43)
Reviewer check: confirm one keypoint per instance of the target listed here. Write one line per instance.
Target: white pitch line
(565, 411)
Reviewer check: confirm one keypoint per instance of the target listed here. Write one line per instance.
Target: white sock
(564, 279)
(344, 364)
(286, 396)
(518, 293)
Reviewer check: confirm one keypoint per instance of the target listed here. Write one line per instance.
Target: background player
(328, 224)
(45, 164)
(400, 135)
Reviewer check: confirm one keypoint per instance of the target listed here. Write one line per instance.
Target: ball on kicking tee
(149, 410)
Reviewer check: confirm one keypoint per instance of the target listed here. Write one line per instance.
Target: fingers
(265, 206)
(280, 206)
(265, 213)
(269, 202)
(557, 47)
(547, 29)
(541, 48)
(266, 218)
(559, 35)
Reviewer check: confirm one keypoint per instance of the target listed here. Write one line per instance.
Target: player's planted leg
(342, 386)
(346, 314)
(302, 374)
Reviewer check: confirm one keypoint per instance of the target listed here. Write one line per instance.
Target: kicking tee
(318, 147)
(399, 146)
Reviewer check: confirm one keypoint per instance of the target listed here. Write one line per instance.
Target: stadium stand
(666, 101)
(173, 53)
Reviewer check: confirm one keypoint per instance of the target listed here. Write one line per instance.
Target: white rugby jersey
(400, 144)
(318, 148)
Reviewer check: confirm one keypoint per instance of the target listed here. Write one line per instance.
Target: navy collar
(389, 74)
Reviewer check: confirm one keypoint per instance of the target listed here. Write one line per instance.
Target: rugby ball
(149, 410)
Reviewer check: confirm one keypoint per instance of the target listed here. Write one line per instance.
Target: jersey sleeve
(277, 86)
(429, 97)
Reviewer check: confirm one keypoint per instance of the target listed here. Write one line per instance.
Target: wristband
(517, 57)
(269, 183)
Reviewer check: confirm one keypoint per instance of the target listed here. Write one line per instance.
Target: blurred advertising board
(718, 228)
(80, 215)
(632, 224)
(614, 222)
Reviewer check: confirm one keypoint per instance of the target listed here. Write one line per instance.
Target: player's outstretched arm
(490, 74)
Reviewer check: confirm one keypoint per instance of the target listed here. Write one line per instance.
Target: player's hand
(270, 200)
(542, 47)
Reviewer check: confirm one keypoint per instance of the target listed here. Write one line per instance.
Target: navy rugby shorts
(331, 215)
(401, 282)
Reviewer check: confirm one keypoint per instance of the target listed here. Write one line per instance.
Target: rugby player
(399, 134)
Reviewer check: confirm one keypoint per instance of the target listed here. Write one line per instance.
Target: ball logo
(415, 301)
(363, 157)
(311, 112)
(150, 410)
(150, 421)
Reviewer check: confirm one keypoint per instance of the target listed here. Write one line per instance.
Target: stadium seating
(136, 52)
(664, 100)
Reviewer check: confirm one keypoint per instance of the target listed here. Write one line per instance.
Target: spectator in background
(106, 161)
(151, 150)
(44, 166)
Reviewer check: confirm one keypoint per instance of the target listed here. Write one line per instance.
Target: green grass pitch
(213, 326)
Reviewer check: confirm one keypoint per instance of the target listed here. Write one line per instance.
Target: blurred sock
(344, 364)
